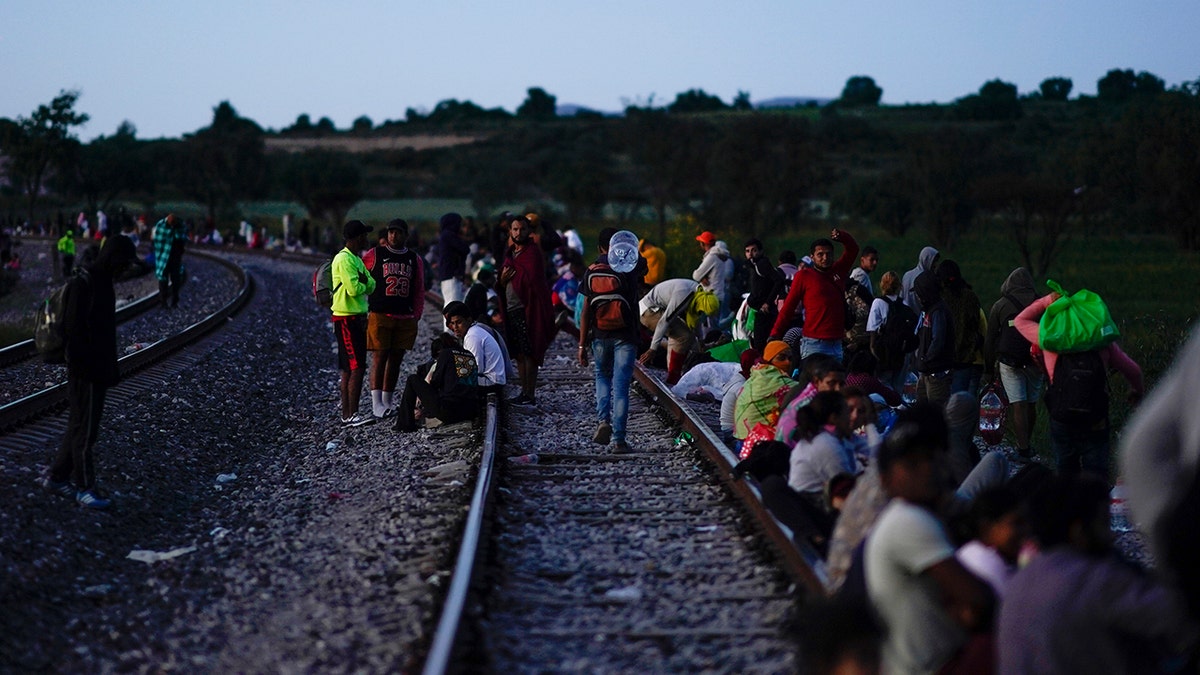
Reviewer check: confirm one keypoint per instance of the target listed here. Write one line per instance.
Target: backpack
(606, 302)
(322, 284)
(49, 331)
(1079, 394)
(897, 336)
(1012, 349)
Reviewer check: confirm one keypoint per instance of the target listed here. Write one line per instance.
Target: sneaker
(387, 412)
(91, 500)
(622, 448)
(61, 488)
(603, 433)
(521, 399)
(356, 420)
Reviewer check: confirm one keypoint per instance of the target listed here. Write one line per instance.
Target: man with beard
(820, 291)
(525, 303)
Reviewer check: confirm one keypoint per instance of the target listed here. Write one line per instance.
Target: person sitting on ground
(928, 602)
(447, 387)
(999, 529)
(762, 395)
(825, 373)
(732, 391)
(821, 451)
(481, 341)
(860, 372)
(1076, 607)
(864, 435)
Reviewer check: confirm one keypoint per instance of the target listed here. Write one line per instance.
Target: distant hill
(791, 102)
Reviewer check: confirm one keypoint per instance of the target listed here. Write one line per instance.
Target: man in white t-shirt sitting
(477, 339)
(927, 600)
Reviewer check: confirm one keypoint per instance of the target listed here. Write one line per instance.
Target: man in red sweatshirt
(820, 291)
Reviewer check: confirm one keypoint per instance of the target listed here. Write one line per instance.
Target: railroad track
(19, 412)
(585, 560)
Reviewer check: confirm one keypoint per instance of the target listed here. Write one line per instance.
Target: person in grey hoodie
(711, 273)
(1005, 346)
(926, 262)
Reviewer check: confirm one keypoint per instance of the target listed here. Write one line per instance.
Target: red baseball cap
(707, 237)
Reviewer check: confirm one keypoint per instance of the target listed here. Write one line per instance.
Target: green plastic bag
(730, 352)
(751, 321)
(1076, 323)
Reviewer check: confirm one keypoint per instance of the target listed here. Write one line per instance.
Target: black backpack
(897, 336)
(1079, 394)
(1012, 349)
(49, 331)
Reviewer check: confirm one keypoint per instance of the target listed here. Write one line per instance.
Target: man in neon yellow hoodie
(351, 286)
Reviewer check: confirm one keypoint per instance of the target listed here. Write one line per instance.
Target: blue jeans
(613, 360)
(814, 346)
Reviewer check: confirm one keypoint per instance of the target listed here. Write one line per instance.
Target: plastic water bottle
(1118, 509)
(991, 418)
(910, 389)
(623, 251)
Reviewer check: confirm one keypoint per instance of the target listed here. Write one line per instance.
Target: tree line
(1041, 165)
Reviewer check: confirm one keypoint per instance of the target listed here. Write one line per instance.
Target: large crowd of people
(851, 393)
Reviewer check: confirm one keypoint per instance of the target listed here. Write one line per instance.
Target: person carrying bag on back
(1077, 398)
(1006, 354)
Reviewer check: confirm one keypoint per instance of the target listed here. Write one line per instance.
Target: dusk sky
(165, 65)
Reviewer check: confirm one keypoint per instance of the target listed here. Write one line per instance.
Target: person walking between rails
(525, 302)
(351, 286)
(394, 307)
(820, 290)
(608, 325)
(90, 326)
(170, 238)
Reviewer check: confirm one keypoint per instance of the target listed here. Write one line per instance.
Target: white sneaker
(356, 420)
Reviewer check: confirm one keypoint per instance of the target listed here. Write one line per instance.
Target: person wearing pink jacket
(1077, 398)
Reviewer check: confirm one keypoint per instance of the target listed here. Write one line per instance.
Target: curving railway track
(584, 559)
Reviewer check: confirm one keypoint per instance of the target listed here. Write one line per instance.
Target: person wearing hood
(926, 262)
(934, 359)
(90, 324)
(452, 257)
(969, 327)
(711, 272)
(1004, 346)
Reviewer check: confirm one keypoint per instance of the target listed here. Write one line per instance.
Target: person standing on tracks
(452, 257)
(66, 249)
(90, 324)
(170, 238)
(820, 291)
(608, 324)
(525, 302)
(395, 307)
(352, 283)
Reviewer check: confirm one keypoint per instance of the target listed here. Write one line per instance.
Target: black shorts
(351, 334)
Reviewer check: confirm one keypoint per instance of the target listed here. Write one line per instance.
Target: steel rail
(17, 412)
(800, 561)
(446, 636)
